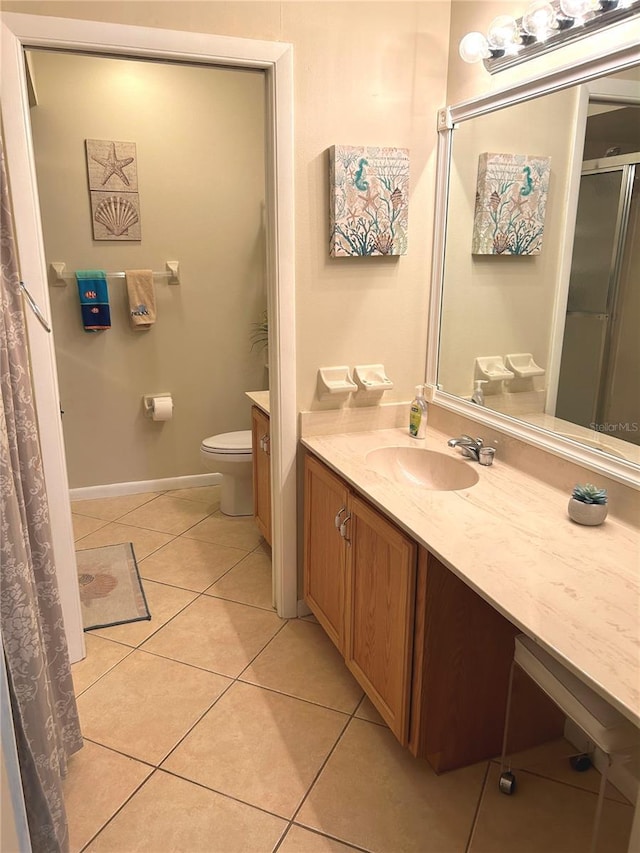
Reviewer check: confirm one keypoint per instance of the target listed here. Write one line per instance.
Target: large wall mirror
(538, 276)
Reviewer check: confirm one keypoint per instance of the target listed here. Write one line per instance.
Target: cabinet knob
(337, 520)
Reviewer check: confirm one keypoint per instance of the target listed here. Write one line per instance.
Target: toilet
(230, 454)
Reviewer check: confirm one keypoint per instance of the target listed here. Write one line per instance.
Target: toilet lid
(229, 442)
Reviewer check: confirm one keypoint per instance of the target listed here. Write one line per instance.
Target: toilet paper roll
(162, 408)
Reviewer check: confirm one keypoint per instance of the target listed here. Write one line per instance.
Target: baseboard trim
(303, 608)
(115, 490)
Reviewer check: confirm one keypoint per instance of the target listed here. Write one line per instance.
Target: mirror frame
(598, 63)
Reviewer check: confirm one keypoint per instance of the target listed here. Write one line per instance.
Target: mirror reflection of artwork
(511, 200)
(369, 201)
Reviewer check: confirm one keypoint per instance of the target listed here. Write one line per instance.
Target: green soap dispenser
(418, 414)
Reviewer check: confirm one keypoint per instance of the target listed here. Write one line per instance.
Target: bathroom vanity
(423, 590)
(261, 452)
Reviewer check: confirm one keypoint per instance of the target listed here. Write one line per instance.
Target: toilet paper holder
(148, 402)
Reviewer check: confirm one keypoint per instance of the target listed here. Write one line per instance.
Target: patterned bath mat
(110, 589)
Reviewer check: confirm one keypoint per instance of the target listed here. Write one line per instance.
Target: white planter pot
(582, 513)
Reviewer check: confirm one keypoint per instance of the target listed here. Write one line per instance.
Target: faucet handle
(486, 454)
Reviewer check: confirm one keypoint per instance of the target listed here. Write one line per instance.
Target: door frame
(595, 91)
(21, 31)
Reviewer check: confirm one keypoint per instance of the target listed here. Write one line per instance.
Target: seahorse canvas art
(511, 202)
(369, 200)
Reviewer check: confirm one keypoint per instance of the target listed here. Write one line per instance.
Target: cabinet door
(260, 424)
(381, 572)
(325, 497)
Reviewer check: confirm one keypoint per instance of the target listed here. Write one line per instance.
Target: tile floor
(219, 727)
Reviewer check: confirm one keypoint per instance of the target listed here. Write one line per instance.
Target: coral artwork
(510, 207)
(369, 201)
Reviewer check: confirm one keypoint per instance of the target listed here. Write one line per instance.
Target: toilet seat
(229, 445)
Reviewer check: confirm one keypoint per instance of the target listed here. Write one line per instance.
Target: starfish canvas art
(112, 165)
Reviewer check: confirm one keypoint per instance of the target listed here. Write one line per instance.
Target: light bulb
(503, 33)
(576, 9)
(539, 20)
(474, 47)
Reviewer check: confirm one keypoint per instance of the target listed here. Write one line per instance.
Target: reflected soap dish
(523, 365)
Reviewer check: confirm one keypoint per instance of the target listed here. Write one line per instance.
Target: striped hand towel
(94, 299)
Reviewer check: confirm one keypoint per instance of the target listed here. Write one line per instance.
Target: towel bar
(59, 277)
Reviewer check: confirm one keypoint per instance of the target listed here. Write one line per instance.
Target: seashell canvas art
(116, 216)
(511, 202)
(369, 201)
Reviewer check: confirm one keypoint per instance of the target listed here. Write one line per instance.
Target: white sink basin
(413, 466)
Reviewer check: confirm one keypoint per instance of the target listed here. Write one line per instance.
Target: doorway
(189, 145)
(23, 32)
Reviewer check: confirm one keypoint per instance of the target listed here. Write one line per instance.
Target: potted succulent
(588, 505)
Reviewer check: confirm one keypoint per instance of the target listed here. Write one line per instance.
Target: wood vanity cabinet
(432, 655)
(326, 497)
(261, 446)
(359, 575)
(463, 649)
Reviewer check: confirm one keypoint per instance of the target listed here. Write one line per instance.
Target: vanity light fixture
(546, 25)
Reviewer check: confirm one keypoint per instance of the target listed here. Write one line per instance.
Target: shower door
(598, 386)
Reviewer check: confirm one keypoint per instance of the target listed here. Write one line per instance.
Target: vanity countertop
(574, 589)
(260, 399)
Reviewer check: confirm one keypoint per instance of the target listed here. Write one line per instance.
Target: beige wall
(499, 305)
(364, 73)
(199, 135)
(467, 81)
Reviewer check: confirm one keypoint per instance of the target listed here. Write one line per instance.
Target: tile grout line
(195, 591)
(154, 770)
(232, 681)
(120, 752)
(348, 722)
(221, 793)
(236, 679)
(118, 517)
(476, 814)
(315, 831)
(118, 520)
(198, 596)
(608, 798)
(102, 675)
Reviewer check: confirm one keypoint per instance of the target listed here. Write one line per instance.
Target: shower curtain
(33, 641)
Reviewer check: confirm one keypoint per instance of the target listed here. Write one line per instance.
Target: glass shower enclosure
(598, 383)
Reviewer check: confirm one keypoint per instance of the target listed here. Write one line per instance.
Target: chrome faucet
(470, 447)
